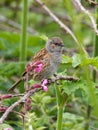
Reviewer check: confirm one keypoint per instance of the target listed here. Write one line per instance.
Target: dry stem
(88, 14)
(57, 20)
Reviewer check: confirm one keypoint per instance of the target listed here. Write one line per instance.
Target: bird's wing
(37, 58)
(40, 55)
(45, 57)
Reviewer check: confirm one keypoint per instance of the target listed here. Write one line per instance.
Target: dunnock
(48, 59)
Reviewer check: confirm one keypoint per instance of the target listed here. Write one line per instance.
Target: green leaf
(5, 126)
(93, 61)
(73, 122)
(71, 87)
(80, 60)
(66, 59)
(46, 99)
(76, 60)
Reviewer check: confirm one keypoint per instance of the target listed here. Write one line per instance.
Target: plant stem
(23, 44)
(96, 43)
(88, 117)
(60, 108)
(94, 72)
(59, 118)
(91, 91)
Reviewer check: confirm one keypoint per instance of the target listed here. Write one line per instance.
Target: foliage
(6, 126)
(70, 98)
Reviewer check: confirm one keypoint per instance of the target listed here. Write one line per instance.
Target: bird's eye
(57, 44)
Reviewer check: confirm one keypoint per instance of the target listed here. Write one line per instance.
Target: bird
(49, 57)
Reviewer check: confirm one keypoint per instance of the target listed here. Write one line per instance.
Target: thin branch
(57, 20)
(36, 10)
(31, 91)
(28, 94)
(9, 28)
(15, 25)
(41, 11)
(89, 15)
(56, 78)
(92, 2)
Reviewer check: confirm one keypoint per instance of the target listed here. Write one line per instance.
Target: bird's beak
(63, 45)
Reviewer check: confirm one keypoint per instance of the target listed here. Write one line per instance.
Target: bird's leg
(55, 77)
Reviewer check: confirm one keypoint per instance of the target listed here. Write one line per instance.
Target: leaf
(41, 128)
(66, 59)
(5, 126)
(72, 122)
(46, 99)
(93, 61)
(9, 44)
(76, 60)
(71, 87)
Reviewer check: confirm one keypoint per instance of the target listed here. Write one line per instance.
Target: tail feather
(15, 84)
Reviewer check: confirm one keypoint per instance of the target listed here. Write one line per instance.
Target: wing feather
(40, 55)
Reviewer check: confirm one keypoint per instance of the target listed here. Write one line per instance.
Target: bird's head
(54, 45)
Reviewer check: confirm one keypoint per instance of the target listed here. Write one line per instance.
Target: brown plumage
(50, 56)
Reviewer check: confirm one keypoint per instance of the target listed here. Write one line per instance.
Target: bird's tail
(15, 84)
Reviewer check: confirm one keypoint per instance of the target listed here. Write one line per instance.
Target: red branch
(30, 92)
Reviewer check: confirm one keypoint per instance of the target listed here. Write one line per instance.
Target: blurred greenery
(43, 115)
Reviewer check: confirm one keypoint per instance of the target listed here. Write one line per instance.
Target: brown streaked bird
(50, 57)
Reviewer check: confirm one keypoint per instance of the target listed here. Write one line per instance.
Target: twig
(21, 114)
(22, 99)
(15, 25)
(31, 91)
(89, 15)
(6, 96)
(57, 20)
(56, 78)
(18, 95)
(8, 28)
(35, 10)
(40, 11)
(92, 2)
